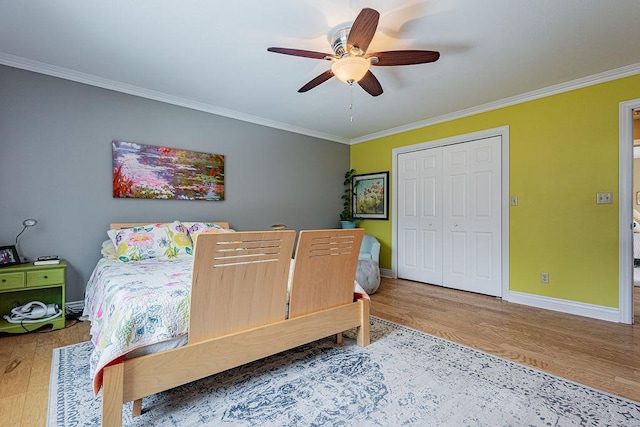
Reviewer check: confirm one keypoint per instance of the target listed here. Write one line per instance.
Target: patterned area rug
(405, 377)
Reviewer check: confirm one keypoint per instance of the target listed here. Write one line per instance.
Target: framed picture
(152, 172)
(8, 256)
(370, 196)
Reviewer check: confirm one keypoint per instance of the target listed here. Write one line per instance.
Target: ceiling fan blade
(404, 57)
(315, 82)
(370, 84)
(300, 52)
(363, 29)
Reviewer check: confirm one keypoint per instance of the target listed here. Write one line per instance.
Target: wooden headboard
(121, 225)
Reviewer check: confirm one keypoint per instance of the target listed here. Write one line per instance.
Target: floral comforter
(135, 304)
(132, 305)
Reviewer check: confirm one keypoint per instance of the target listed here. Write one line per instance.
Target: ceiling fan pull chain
(351, 101)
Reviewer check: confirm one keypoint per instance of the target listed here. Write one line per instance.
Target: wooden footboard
(325, 269)
(240, 280)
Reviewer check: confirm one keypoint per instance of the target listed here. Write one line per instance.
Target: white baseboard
(565, 306)
(75, 306)
(555, 304)
(385, 272)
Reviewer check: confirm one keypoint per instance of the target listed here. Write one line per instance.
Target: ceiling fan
(351, 61)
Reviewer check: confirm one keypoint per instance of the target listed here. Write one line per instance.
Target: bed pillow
(108, 250)
(195, 228)
(165, 240)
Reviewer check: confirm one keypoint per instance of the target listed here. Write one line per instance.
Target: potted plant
(346, 216)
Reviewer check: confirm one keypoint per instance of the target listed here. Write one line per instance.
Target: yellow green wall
(563, 149)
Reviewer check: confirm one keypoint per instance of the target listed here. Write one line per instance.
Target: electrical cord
(50, 330)
(33, 312)
(38, 312)
(72, 314)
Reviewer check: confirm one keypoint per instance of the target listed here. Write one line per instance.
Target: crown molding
(89, 79)
(594, 79)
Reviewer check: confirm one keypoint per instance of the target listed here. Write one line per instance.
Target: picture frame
(9, 256)
(371, 196)
(142, 171)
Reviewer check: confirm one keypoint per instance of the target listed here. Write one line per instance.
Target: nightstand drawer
(11, 280)
(45, 277)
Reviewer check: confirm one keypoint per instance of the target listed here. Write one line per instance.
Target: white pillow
(108, 250)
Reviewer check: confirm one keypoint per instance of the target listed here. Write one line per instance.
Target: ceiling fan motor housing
(339, 42)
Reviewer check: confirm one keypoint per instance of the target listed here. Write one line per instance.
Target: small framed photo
(8, 256)
(371, 196)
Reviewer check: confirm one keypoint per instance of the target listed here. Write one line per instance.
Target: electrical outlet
(544, 277)
(604, 198)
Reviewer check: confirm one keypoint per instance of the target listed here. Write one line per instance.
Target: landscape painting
(151, 172)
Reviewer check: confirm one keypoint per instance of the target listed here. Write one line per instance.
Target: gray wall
(55, 166)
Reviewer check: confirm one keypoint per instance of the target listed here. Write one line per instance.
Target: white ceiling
(212, 55)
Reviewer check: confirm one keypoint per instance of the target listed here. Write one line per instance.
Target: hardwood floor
(25, 364)
(596, 353)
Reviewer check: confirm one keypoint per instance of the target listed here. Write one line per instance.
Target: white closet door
(472, 216)
(420, 216)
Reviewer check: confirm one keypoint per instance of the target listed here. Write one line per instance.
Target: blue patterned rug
(405, 377)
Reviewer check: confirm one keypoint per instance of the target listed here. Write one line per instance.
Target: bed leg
(339, 338)
(137, 407)
(112, 393)
(363, 330)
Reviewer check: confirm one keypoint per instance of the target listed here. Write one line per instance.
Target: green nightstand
(24, 283)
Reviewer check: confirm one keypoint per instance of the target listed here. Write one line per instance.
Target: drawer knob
(46, 277)
(4, 280)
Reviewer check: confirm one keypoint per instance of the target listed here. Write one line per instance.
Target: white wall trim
(625, 216)
(385, 272)
(76, 306)
(89, 79)
(503, 132)
(595, 79)
(565, 306)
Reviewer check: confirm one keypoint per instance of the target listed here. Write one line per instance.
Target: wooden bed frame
(238, 299)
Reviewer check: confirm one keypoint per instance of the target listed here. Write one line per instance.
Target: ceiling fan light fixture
(350, 59)
(350, 69)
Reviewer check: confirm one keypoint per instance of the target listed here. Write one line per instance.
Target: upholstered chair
(368, 272)
(370, 249)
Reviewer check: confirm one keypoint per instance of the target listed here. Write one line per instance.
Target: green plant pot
(348, 224)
